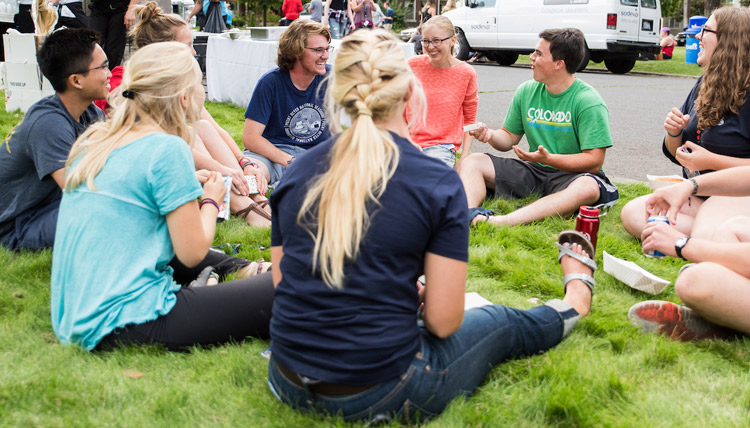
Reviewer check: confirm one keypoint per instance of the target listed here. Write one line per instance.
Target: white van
(616, 31)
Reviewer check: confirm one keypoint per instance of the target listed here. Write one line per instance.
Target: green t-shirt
(566, 123)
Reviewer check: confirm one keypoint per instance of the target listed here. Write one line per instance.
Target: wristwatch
(290, 160)
(679, 244)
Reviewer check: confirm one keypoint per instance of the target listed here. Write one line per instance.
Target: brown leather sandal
(256, 207)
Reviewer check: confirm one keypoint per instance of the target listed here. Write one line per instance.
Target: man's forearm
(503, 140)
(265, 148)
(576, 163)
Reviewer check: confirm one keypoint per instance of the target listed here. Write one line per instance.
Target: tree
(709, 6)
(669, 7)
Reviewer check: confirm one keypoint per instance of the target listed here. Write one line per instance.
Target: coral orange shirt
(452, 102)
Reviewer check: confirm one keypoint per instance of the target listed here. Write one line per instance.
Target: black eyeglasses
(320, 51)
(101, 67)
(434, 42)
(708, 30)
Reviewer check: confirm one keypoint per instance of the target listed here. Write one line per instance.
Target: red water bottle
(587, 222)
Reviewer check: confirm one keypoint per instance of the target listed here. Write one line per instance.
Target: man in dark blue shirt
(286, 116)
(33, 159)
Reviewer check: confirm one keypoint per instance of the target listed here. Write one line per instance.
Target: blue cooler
(695, 26)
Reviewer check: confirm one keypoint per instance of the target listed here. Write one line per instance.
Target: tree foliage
(669, 7)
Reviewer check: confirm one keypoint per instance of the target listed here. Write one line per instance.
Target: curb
(604, 70)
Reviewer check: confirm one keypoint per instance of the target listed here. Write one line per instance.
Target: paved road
(637, 105)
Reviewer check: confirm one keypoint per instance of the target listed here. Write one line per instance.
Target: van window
(629, 2)
(484, 3)
(651, 4)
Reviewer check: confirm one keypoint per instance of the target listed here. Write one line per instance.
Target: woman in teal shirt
(130, 206)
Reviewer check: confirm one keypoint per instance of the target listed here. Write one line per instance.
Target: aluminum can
(657, 218)
(224, 206)
(587, 222)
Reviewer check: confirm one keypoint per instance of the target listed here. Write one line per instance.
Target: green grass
(676, 65)
(605, 374)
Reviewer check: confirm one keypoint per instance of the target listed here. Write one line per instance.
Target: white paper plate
(657, 181)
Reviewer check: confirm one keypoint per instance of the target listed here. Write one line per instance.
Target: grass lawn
(676, 65)
(605, 373)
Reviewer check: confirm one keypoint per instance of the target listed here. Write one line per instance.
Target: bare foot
(578, 294)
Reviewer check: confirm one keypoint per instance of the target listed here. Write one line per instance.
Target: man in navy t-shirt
(285, 116)
(32, 162)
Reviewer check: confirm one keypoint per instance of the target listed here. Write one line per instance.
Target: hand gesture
(541, 154)
(660, 237)
(676, 121)
(214, 187)
(668, 200)
(695, 158)
(482, 133)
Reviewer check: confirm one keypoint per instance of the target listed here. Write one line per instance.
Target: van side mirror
(471, 3)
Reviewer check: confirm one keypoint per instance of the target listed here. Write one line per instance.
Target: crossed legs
(477, 174)
(211, 144)
(700, 219)
(717, 293)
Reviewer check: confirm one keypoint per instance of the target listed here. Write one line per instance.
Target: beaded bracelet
(208, 201)
(245, 162)
(695, 186)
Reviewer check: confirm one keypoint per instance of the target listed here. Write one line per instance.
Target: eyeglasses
(104, 66)
(320, 51)
(707, 30)
(434, 42)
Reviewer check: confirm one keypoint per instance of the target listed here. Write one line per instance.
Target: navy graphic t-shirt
(291, 116)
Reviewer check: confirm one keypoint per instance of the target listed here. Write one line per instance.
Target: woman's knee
(693, 286)
(633, 216)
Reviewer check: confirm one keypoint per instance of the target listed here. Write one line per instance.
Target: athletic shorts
(515, 178)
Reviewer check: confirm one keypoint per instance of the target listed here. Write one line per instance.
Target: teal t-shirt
(112, 245)
(566, 123)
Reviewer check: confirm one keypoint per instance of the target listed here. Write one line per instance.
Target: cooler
(692, 47)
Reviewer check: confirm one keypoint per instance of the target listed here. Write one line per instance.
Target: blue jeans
(444, 368)
(34, 230)
(338, 29)
(443, 152)
(276, 170)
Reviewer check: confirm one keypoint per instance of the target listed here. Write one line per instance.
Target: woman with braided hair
(356, 221)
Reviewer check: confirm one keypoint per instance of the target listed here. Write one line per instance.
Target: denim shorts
(443, 152)
(443, 369)
(275, 169)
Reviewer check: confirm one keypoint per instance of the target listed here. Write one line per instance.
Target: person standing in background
(71, 14)
(316, 10)
(22, 20)
(388, 20)
(112, 19)
(291, 10)
(337, 14)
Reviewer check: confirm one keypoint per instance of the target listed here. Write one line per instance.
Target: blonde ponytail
(370, 80)
(155, 78)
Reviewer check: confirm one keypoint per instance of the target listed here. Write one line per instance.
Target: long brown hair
(726, 80)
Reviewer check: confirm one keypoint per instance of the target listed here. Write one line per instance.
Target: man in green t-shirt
(567, 126)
